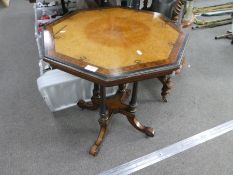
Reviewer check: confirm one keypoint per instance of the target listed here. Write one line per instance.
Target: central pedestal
(112, 105)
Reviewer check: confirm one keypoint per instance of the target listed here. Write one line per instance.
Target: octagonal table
(114, 46)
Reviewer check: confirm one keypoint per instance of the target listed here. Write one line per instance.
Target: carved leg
(133, 101)
(126, 92)
(136, 124)
(103, 121)
(130, 114)
(166, 81)
(95, 100)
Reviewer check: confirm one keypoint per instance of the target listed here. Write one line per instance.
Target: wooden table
(114, 46)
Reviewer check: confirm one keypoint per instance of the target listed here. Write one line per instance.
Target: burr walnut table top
(111, 44)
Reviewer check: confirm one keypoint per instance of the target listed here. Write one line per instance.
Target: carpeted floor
(35, 141)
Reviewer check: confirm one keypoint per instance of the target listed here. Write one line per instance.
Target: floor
(35, 141)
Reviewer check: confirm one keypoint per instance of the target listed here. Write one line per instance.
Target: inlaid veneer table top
(112, 44)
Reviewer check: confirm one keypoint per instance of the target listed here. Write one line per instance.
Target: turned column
(133, 101)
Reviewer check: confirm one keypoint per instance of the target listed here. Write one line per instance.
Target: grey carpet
(35, 141)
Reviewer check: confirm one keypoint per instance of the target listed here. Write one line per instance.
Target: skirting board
(6, 2)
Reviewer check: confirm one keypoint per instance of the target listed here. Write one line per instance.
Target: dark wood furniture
(114, 46)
